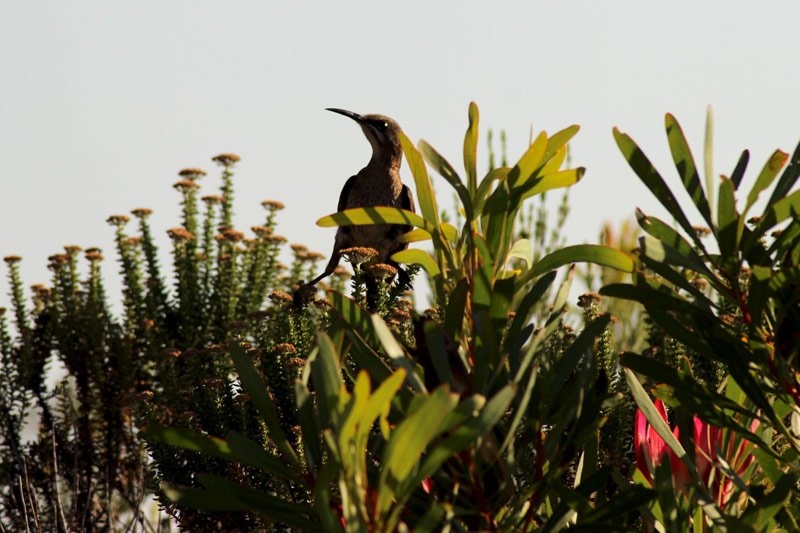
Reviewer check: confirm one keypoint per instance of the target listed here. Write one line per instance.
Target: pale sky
(102, 103)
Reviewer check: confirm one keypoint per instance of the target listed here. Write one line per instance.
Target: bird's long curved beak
(350, 114)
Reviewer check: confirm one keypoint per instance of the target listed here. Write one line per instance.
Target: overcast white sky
(101, 103)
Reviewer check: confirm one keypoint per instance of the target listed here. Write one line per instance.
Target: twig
(24, 506)
(34, 510)
(59, 504)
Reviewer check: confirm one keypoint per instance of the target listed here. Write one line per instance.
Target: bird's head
(382, 132)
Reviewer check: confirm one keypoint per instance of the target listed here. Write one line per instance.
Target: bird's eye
(385, 125)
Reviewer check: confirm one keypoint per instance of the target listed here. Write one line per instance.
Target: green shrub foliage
(499, 408)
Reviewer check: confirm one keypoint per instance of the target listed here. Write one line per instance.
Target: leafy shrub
(489, 411)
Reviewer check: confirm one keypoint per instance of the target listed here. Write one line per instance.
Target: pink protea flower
(707, 440)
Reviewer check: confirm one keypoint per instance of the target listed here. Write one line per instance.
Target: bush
(489, 411)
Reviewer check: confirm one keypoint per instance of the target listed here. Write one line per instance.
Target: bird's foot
(304, 294)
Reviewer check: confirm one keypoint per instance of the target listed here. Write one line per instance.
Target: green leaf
(590, 253)
(396, 352)
(663, 253)
(456, 308)
(468, 433)
(251, 453)
(471, 149)
(788, 178)
(353, 315)
(768, 173)
(780, 211)
(434, 337)
(528, 163)
(653, 180)
(558, 140)
(521, 249)
(327, 376)
(741, 166)
(374, 215)
(425, 196)
(257, 389)
(444, 169)
(418, 257)
(308, 426)
(526, 307)
(556, 180)
(378, 406)
(416, 235)
(727, 219)
(485, 186)
(274, 507)
(684, 162)
(697, 399)
(409, 439)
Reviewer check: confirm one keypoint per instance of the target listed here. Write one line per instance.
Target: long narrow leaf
(684, 162)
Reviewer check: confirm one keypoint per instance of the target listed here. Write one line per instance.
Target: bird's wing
(407, 200)
(345, 193)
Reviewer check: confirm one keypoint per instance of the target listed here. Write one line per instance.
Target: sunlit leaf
(418, 257)
(374, 215)
(684, 162)
(471, 149)
(425, 196)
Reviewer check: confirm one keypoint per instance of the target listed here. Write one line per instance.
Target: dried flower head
(185, 185)
(231, 235)
(382, 271)
(134, 241)
(118, 220)
(700, 284)
(701, 231)
(213, 383)
(280, 297)
(72, 249)
(143, 396)
(285, 348)
(142, 212)
(777, 233)
(94, 257)
(358, 255)
(226, 159)
(180, 234)
(170, 352)
(213, 199)
(312, 256)
(753, 221)
(401, 316)
(93, 249)
(272, 205)
(258, 316)
(57, 261)
(192, 173)
(296, 363)
(297, 248)
(276, 239)
(323, 303)
(261, 231)
(431, 313)
(242, 397)
(281, 266)
(589, 299)
(12, 259)
(238, 326)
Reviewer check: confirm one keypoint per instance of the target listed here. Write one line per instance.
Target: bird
(377, 184)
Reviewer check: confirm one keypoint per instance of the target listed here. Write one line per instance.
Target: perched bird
(377, 184)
